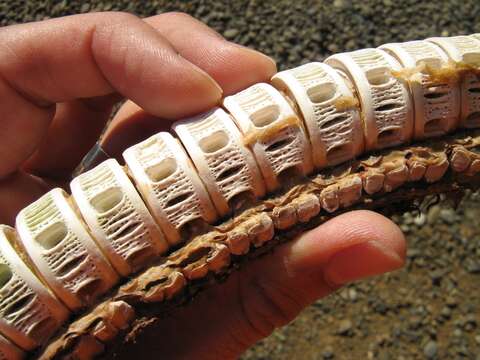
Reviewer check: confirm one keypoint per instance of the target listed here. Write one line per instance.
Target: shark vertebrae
(265, 156)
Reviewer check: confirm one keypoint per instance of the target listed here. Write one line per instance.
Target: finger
(17, 191)
(76, 127)
(22, 126)
(271, 291)
(88, 56)
(232, 66)
(130, 125)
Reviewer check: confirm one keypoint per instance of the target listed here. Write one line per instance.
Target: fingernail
(259, 54)
(361, 261)
(211, 81)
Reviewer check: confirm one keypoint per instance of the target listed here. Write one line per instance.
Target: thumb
(270, 291)
(349, 247)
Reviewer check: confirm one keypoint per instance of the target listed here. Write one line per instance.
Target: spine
(267, 156)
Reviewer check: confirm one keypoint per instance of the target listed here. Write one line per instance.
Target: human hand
(58, 82)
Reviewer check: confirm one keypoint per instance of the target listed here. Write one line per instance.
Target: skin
(58, 82)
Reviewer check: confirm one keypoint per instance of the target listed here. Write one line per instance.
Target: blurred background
(430, 309)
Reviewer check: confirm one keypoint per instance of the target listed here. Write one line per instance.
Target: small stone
(327, 353)
(446, 312)
(420, 220)
(350, 45)
(352, 294)
(470, 322)
(333, 48)
(431, 349)
(413, 253)
(85, 8)
(451, 302)
(231, 33)
(473, 267)
(448, 215)
(344, 327)
(433, 214)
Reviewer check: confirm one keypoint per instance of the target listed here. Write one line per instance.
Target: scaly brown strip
(381, 181)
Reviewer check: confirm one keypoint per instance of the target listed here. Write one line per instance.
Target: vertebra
(265, 140)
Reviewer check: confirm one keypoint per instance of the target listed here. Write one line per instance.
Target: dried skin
(343, 103)
(268, 133)
(452, 72)
(391, 177)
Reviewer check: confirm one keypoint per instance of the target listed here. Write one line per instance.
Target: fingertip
(241, 67)
(144, 66)
(234, 67)
(266, 63)
(179, 89)
(355, 239)
(361, 261)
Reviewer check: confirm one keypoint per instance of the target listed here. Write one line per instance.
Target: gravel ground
(429, 310)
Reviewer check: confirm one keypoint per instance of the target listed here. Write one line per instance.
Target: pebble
(451, 301)
(338, 3)
(231, 34)
(352, 294)
(430, 350)
(328, 353)
(420, 220)
(446, 312)
(433, 214)
(448, 215)
(344, 327)
(473, 266)
(85, 7)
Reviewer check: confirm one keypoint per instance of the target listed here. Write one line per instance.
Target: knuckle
(267, 305)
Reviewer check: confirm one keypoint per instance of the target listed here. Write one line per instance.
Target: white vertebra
(62, 250)
(117, 217)
(273, 130)
(385, 100)
(437, 103)
(329, 109)
(169, 184)
(465, 51)
(29, 312)
(225, 164)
